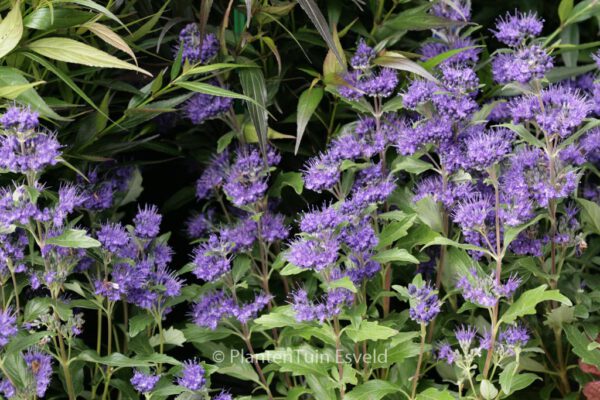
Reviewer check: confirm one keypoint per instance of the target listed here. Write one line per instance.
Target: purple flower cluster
(329, 306)
(196, 48)
(513, 30)
(363, 80)
(141, 274)
(485, 290)
(424, 303)
(101, 187)
(246, 180)
(202, 107)
(40, 366)
(8, 326)
(23, 148)
(144, 383)
(19, 119)
(211, 308)
(192, 375)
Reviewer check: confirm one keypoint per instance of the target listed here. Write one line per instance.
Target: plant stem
(338, 355)
(246, 337)
(415, 380)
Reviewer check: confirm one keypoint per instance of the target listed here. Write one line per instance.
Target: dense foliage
(367, 199)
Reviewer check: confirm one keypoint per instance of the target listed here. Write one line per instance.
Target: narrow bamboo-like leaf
(203, 69)
(435, 61)
(11, 76)
(13, 91)
(110, 37)
(11, 30)
(273, 47)
(55, 18)
(317, 18)
(248, 12)
(399, 62)
(150, 24)
(64, 77)
(96, 7)
(307, 104)
(72, 51)
(205, 88)
(254, 87)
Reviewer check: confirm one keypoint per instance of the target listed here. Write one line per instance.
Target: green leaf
(564, 9)
(440, 58)
(512, 232)
(395, 255)
(526, 303)
(96, 7)
(74, 238)
(72, 51)
(11, 30)
(279, 317)
(511, 381)
(36, 307)
(413, 19)
(254, 87)
(440, 240)
(312, 10)
(138, 323)
(291, 179)
(120, 360)
(560, 316)
(410, 164)
(304, 360)
(64, 77)
(394, 231)
(344, 282)
(488, 390)
(55, 18)
(375, 389)
(291, 269)
(11, 77)
(570, 35)
(206, 88)
(204, 69)
(399, 62)
(591, 215)
(369, 330)
(580, 343)
(524, 134)
(434, 394)
(13, 91)
(307, 104)
(170, 336)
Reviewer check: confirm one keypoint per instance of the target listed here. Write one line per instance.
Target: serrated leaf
(170, 336)
(291, 179)
(591, 215)
(434, 394)
(375, 389)
(369, 330)
(580, 343)
(395, 255)
(72, 51)
(120, 360)
(279, 317)
(73, 238)
(526, 303)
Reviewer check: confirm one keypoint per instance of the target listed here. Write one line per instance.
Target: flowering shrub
(430, 231)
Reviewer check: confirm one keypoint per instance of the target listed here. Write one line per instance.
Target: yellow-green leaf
(11, 30)
(72, 51)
